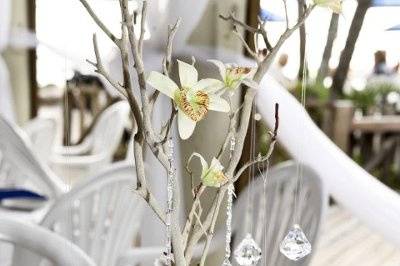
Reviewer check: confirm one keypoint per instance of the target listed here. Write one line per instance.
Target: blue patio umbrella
(394, 28)
(266, 15)
(377, 3)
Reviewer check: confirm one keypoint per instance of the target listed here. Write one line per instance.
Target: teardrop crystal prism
(295, 245)
(248, 252)
(226, 263)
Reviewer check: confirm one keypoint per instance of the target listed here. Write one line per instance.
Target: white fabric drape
(6, 99)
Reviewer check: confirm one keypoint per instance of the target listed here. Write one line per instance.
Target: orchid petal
(185, 125)
(162, 83)
(218, 104)
(208, 85)
(187, 74)
(204, 164)
(221, 67)
(334, 5)
(216, 165)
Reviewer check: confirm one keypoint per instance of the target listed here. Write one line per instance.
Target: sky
(69, 31)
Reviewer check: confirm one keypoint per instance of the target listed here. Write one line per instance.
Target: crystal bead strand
(248, 252)
(295, 245)
(170, 207)
(231, 192)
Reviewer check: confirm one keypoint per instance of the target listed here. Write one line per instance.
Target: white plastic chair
(280, 210)
(19, 165)
(97, 149)
(42, 134)
(41, 243)
(100, 215)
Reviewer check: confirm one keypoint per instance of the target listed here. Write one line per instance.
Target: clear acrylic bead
(248, 252)
(226, 263)
(295, 245)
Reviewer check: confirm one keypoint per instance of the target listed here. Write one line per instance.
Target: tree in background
(342, 70)
(332, 34)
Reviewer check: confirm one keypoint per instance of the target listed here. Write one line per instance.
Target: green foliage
(370, 96)
(315, 92)
(317, 97)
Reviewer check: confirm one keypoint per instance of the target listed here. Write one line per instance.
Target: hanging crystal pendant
(231, 192)
(248, 252)
(226, 263)
(168, 257)
(295, 245)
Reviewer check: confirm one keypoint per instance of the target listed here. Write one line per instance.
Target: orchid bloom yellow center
(235, 75)
(193, 104)
(214, 178)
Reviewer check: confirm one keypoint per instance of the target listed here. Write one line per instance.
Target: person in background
(380, 67)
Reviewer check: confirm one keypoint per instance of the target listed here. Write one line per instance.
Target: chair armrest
(78, 160)
(82, 148)
(34, 217)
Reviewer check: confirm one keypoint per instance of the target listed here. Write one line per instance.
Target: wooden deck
(346, 241)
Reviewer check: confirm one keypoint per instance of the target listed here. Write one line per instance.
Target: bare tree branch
(246, 46)
(286, 14)
(172, 29)
(244, 121)
(183, 241)
(142, 27)
(153, 203)
(99, 22)
(262, 29)
(101, 70)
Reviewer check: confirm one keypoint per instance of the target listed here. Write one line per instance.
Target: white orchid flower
(232, 76)
(334, 5)
(211, 176)
(193, 98)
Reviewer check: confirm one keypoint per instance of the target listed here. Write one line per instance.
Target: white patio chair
(42, 134)
(279, 209)
(279, 206)
(20, 166)
(97, 149)
(100, 215)
(41, 243)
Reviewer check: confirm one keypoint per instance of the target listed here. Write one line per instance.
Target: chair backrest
(41, 243)
(109, 128)
(19, 164)
(42, 134)
(279, 210)
(101, 215)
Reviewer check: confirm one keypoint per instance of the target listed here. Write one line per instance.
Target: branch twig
(246, 46)
(99, 22)
(286, 14)
(270, 149)
(244, 121)
(172, 29)
(142, 27)
(101, 70)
